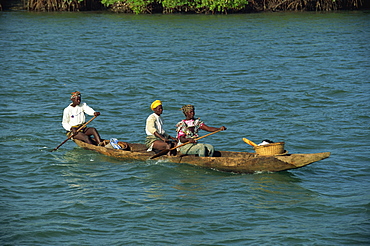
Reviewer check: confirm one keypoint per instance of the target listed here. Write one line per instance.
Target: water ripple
(301, 78)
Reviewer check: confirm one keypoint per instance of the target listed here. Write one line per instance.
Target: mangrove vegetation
(185, 6)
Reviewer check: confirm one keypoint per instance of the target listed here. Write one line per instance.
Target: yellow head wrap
(155, 104)
(75, 94)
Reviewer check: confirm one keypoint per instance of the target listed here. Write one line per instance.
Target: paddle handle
(72, 135)
(167, 150)
(249, 142)
(178, 146)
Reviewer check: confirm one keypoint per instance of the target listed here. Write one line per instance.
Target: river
(301, 78)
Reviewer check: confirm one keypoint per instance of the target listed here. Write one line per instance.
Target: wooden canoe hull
(228, 161)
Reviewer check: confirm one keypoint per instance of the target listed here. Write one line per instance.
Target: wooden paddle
(72, 135)
(249, 142)
(165, 151)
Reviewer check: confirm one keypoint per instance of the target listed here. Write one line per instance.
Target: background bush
(189, 6)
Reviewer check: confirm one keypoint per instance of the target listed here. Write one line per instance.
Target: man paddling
(74, 117)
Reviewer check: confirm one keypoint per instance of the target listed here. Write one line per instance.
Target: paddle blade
(249, 142)
(163, 152)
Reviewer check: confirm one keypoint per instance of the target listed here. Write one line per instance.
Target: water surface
(301, 78)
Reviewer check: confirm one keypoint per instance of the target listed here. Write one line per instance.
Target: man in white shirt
(74, 117)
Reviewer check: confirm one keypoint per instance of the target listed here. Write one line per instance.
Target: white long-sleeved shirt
(154, 124)
(73, 116)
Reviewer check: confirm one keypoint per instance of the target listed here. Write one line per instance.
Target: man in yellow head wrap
(157, 139)
(155, 104)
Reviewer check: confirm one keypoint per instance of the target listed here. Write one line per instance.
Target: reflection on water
(280, 190)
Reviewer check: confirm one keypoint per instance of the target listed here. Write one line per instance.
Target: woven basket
(270, 149)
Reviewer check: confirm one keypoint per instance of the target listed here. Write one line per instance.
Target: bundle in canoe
(227, 161)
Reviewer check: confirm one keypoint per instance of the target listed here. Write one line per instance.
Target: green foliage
(194, 6)
(109, 2)
(170, 6)
(231, 6)
(224, 5)
(221, 6)
(174, 3)
(139, 6)
(206, 5)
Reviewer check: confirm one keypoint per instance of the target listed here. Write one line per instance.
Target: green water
(301, 78)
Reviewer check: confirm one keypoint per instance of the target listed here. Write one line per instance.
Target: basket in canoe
(270, 149)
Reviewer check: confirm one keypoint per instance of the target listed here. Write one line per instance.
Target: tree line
(190, 6)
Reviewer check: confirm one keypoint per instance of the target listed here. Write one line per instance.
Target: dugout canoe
(227, 161)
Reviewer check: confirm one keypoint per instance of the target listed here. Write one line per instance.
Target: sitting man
(157, 139)
(74, 118)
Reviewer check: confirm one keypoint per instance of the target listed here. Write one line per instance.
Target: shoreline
(157, 8)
